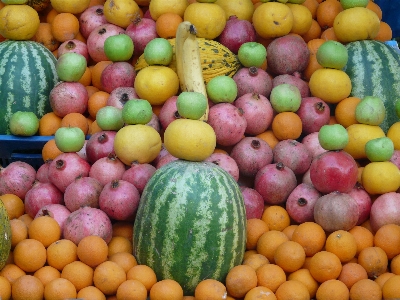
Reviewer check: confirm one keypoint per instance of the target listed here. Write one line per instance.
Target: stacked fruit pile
(201, 149)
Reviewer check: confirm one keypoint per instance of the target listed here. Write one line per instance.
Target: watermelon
(190, 224)
(5, 235)
(27, 75)
(374, 70)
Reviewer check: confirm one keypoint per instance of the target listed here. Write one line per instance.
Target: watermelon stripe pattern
(374, 70)
(190, 224)
(27, 75)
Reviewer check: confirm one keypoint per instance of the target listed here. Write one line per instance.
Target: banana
(182, 34)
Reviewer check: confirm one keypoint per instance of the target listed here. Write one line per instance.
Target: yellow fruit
(331, 85)
(18, 22)
(208, 18)
(190, 139)
(70, 6)
(355, 24)
(359, 135)
(380, 177)
(394, 134)
(121, 12)
(302, 18)
(242, 9)
(156, 84)
(137, 143)
(272, 19)
(159, 7)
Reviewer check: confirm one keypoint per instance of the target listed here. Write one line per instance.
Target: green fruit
(222, 89)
(137, 111)
(24, 123)
(69, 139)
(109, 118)
(71, 66)
(333, 137)
(5, 233)
(296, 1)
(332, 54)
(118, 47)
(158, 52)
(285, 97)
(370, 110)
(191, 105)
(397, 107)
(353, 3)
(252, 54)
(379, 149)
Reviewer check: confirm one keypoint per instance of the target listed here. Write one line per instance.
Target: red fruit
(17, 178)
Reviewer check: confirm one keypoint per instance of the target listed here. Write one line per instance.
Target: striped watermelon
(27, 75)
(190, 224)
(5, 235)
(374, 70)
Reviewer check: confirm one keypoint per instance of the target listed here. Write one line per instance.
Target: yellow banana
(182, 33)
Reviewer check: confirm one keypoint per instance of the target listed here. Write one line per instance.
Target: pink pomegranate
(168, 112)
(66, 168)
(253, 202)
(311, 141)
(257, 111)
(87, 221)
(141, 31)
(84, 191)
(301, 201)
(82, 153)
(314, 113)
(364, 202)
(75, 46)
(100, 144)
(17, 178)
(91, 18)
(253, 80)
(160, 155)
(139, 175)
(119, 199)
(42, 174)
(155, 123)
(385, 210)
(58, 212)
(294, 79)
(117, 74)
(69, 97)
(165, 159)
(120, 95)
(41, 194)
(226, 162)
(107, 169)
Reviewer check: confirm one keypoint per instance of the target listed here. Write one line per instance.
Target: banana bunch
(188, 63)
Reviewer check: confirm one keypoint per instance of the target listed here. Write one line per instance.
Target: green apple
(252, 54)
(71, 66)
(222, 88)
(69, 139)
(353, 3)
(158, 52)
(370, 110)
(137, 111)
(285, 97)
(296, 1)
(118, 47)
(333, 137)
(379, 149)
(332, 54)
(191, 105)
(109, 118)
(8, 2)
(24, 123)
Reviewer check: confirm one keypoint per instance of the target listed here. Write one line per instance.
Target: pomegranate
(141, 31)
(74, 45)
(107, 168)
(253, 202)
(65, 168)
(69, 97)
(17, 178)
(139, 175)
(42, 173)
(301, 201)
(82, 153)
(168, 112)
(117, 74)
(166, 158)
(226, 162)
(91, 18)
(58, 212)
(160, 155)
(119, 199)
(294, 79)
(364, 202)
(385, 210)
(84, 191)
(311, 141)
(314, 113)
(100, 144)
(120, 95)
(253, 80)
(155, 123)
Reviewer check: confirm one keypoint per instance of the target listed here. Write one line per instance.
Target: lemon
(159, 7)
(121, 12)
(18, 22)
(394, 134)
(380, 177)
(190, 139)
(137, 143)
(70, 6)
(302, 18)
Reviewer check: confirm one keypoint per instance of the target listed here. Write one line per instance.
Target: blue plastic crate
(26, 149)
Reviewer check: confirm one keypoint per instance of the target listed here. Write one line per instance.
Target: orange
(343, 244)
(5, 288)
(50, 150)
(30, 255)
(119, 244)
(14, 205)
(91, 292)
(45, 37)
(302, 18)
(240, 280)
(45, 229)
(94, 127)
(375, 8)
(312, 66)
(276, 217)
(289, 230)
(86, 78)
(27, 287)
(167, 289)
(345, 111)
(326, 13)
(304, 276)
(311, 236)
(80, 274)
(255, 260)
(329, 34)
(248, 253)
(75, 120)
(46, 274)
(385, 32)
(292, 290)
(61, 253)
(381, 279)
(351, 273)
(49, 123)
(260, 293)
(374, 260)
(96, 70)
(324, 266)
(313, 33)
(167, 24)
(90, 88)
(108, 276)
(208, 289)
(270, 276)
(312, 6)
(365, 289)
(64, 27)
(269, 137)
(132, 290)
(290, 256)
(19, 231)
(50, 15)
(59, 289)
(269, 241)
(391, 288)
(123, 228)
(92, 250)
(124, 259)
(395, 265)
(159, 7)
(11, 272)
(255, 228)
(96, 101)
(144, 274)
(332, 289)
(286, 125)
(387, 237)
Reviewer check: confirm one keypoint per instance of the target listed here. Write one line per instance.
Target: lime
(24, 123)
(371, 110)
(118, 47)
(285, 97)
